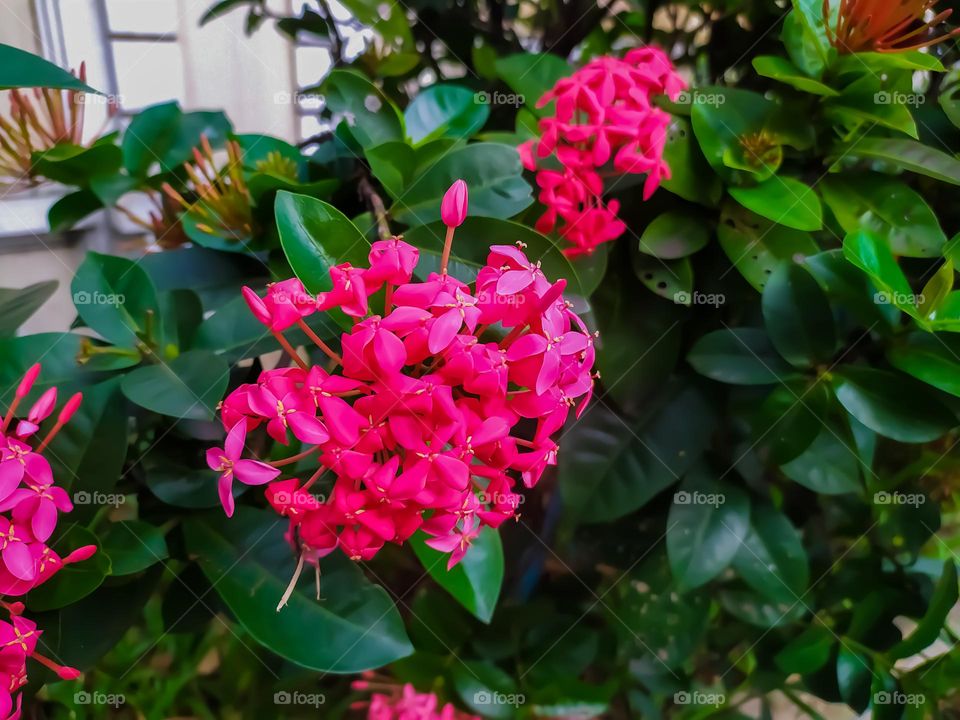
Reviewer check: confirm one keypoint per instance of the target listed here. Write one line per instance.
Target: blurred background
(142, 52)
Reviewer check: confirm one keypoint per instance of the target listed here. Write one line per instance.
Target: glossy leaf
(783, 200)
(475, 581)
(772, 559)
(20, 69)
(738, 356)
(531, 75)
(355, 626)
(75, 581)
(17, 305)
(133, 546)
(444, 110)
(797, 316)
(163, 134)
(371, 117)
(907, 155)
(708, 521)
(189, 387)
(673, 235)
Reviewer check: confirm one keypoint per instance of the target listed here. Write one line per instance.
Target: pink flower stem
(293, 458)
(318, 342)
(513, 335)
(295, 356)
(10, 411)
(447, 244)
(387, 298)
(293, 584)
(313, 479)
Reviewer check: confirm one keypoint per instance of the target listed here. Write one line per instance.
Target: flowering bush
(674, 294)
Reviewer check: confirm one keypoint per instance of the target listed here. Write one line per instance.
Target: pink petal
(236, 439)
(225, 490)
(444, 330)
(549, 372)
(526, 346)
(11, 473)
(391, 354)
(307, 428)
(19, 561)
(254, 472)
(513, 281)
(44, 520)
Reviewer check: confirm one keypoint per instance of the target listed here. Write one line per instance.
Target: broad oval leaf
(20, 69)
(674, 234)
(354, 627)
(445, 110)
(797, 316)
(772, 559)
(783, 200)
(133, 546)
(475, 581)
(189, 387)
(738, 356)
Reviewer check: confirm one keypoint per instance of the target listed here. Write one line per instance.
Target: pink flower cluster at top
(29, 506)
(416, 419)
(390, 701)
(603, 112)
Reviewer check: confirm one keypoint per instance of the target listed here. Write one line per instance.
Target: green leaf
(873, 101)
(892, 405)
(708, 521)
(757, 246)
(937, 290)
(371, 116)
(850, 289)
(18, 304)
(183, 487)
(808, 652)
(797, 316)
(756, 610)
(354, 627)
(444, 110)
(475, 581)
(115, 297)
(873, 256)
(77, 165)
(674, 234)
(486, 689)
(189, 387)
(71, 209)
(166, 135)
(778, 68)
(790, 418)
(133, 546)
(59, 352)
(660, 626)
(610, 467)
(805, 38)
(907, 155)
(929, 358)
(738, 356)
(493, 175)
(530, 75)
(887, 207)
(316, 236)
(829, 466)
(878, 63)
(784, 200)
(928, 630)
(85, 456)
(20, 69)
(74, 581)
(772, 559)
(691, 177)
(670, 279)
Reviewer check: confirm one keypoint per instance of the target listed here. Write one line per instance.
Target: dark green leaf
(829, 466)
(133, 546)
(772, 559)
(740, 356)
(74, 581)
(907, 155)
(18, 304)
(189, 387)
(891, 404)
(778, 68)
(808, 652)
(797, 316)
(20, 69)
(928, 630)
(674, 234)
(531, 75)
(445, 110)
(373, 119)
(783, 200)
(708, 521)
(166, 135)
(690, 176)
(354, 627)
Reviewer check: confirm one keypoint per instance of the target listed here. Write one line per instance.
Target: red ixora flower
(416, 419)
(604, 116)
(29, 507)
(885, 25)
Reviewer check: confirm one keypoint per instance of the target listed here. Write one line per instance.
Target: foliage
(763, 489)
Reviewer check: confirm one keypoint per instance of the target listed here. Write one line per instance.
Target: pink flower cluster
(29, 506)
(603, 112)
(390, 701)
(417, 420)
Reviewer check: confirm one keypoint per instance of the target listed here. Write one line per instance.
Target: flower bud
(27, 383)
(453, 209)
(71, 407)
